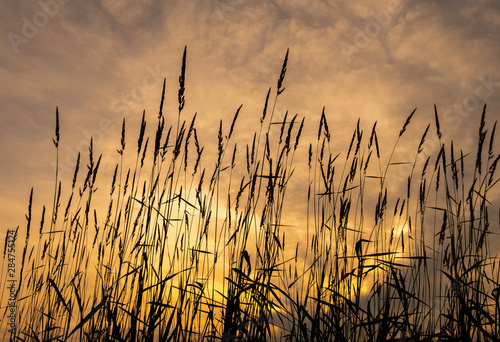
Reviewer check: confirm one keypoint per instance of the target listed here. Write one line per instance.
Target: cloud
(127, 12)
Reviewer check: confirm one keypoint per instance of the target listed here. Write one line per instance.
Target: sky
(101, 61)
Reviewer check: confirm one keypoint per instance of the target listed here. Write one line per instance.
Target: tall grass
(187, 250)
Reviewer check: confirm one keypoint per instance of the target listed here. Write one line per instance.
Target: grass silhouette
(188, 251)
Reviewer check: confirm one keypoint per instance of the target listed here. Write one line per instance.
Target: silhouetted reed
(186, 250)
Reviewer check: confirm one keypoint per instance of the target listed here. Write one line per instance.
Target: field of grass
(190, 249)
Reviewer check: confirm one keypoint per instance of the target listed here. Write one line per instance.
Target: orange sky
(100, 61)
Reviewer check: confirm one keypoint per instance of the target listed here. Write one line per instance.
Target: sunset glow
(249, 170)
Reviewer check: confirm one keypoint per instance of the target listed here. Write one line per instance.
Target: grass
(187, 250)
